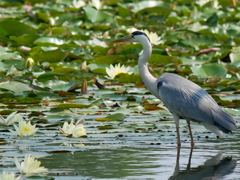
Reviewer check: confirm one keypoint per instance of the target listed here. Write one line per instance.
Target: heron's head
(136, 36)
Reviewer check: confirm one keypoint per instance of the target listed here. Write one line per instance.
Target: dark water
(206, 162)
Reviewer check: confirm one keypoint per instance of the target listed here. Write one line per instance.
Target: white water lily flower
(118, 69)
(214, 3)
(75, 130)
(30, 166)
(78, 3)
(96, 3)
(9, 176)
(154, 38)
(12, 118)
(24, 128)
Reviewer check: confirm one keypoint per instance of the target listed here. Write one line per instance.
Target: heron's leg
(190, 132)
(177, 170)
(176, 119)
(189, 159)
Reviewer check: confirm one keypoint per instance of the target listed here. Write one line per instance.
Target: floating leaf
(25, 40)
(95, 15)
(123, 10)
(236, 63)
(15, 86)
(210, 70)
(7, 55)
(70, 105)
(44, 41)
(199, 41)
(113, 117)
(161, 59)
(152, 107)
(235, 54)
(13, 27)
(51, 76)
(56, 85)
(110, 59)
(50, 56)
(126, 78)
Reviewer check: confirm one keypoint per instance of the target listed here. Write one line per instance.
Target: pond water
(142, 146)
(142, 156)
(145, 163)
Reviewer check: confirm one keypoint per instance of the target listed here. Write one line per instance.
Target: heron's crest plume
(137, 33)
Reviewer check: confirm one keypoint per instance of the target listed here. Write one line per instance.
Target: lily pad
(210, 70)
(113, 117)
(71, 105)
(95, 15)
(13, 27)
(15, 86)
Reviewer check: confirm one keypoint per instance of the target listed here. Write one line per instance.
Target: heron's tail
(222, 123)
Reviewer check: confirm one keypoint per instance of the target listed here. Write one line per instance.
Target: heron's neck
(147, 77)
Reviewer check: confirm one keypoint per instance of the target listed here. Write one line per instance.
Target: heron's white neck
(148, 79)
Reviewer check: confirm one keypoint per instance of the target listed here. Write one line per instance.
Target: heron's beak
(127, 38)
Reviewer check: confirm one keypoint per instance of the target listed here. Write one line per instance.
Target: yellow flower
(75, 130)
(118, 69)
(30, 166)
(84, 65)
(9, 176)
(24, 128)
(29, 63)
(12, 118)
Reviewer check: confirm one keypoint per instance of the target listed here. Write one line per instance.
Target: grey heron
(183, 98)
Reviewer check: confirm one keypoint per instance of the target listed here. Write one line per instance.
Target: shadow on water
(135, 163)
(214, 168)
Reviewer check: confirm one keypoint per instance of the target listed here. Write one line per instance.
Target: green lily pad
(50, 56)
(15, 86)
(71, 105)
(14, 27)
(129, 78)
(161, 59)
(235, 54)
(95, 15)
(210, 70)
(113, 117)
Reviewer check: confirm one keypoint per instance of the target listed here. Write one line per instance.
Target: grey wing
(189, 101)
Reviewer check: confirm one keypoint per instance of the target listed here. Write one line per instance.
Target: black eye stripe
(135, 33)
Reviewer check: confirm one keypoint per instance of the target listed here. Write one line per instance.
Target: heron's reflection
(213, 168)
